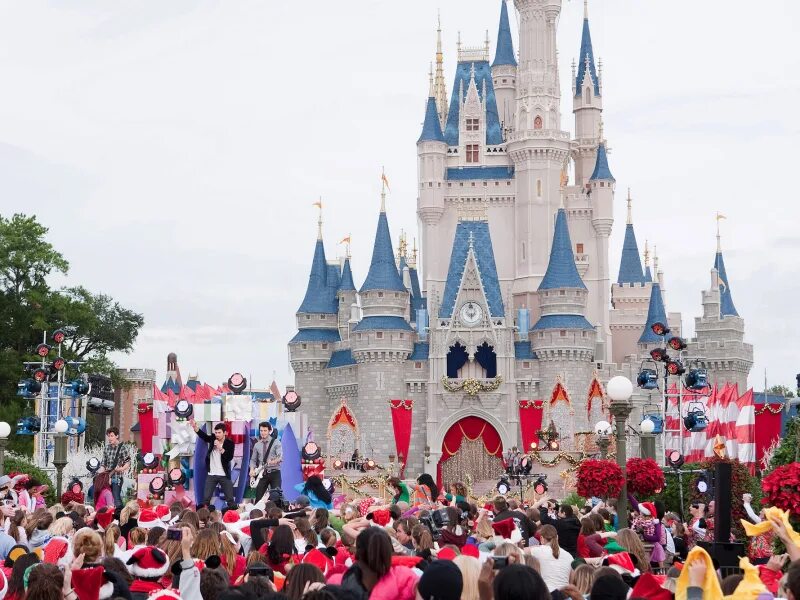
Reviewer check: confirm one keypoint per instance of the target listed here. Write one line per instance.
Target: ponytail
(548, 533)
(130, 509)
(555, 547)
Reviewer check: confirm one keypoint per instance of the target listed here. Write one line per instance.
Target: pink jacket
(400, 583)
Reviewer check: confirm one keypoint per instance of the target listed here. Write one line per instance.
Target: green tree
(781, 390)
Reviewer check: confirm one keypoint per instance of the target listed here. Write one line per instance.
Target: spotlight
(28, 388)
(677, 343)
(78, 387)
(540, 486)
(75, 425)
(29, 425)
(370, 465)
(237, 383)
(329, 485)
(59, 336)
(291, 400)
(150, 461)
(696, 379)
(503, 486)
(93, 465)
(311, 451)
(59, 364)
(157, 485)
(42, 350)
(338, 464)
(695, 419)
(526, 465)
(675, 367)
(183, 409)
(675, 459)
(40, 375)
(176, 476)
(659, 355)
(647, 379)
(553, 445)
(703, 484)
(659, 328)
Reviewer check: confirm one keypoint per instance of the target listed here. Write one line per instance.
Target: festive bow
(183, 439)
(238, 408)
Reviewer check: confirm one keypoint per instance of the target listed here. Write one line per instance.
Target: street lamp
(647, 441)
(60, 451)
(620, 390)
(5, 431)
(603, 430)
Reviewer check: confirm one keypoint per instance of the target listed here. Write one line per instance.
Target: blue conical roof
(601, 170)
(586, 50)
(383, 273)
(505, 45)
(655, 314)
(648, 275)
(431, 129)
(630, 267)
(726, 307)
(318, 298)
(561, 270)
(347, 284)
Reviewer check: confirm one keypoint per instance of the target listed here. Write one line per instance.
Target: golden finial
(430, 82)
(384, 187)
(585, 9)
(413, 262)
(318, 204)
(630, 211)
(646, 255)
(655, 261)
(601, 130)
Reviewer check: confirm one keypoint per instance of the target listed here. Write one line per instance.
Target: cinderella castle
(511, 317)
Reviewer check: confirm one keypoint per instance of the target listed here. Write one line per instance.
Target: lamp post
(60, 452)
(620, 390)
(603, 429)
(647, 440)
(5, 431)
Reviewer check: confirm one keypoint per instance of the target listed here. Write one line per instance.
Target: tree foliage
(781, 390)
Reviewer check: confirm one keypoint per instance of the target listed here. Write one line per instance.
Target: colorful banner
(768, 427)
(401, 421)
(530, 421)
(147, 426)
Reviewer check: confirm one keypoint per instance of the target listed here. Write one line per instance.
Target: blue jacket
(315, 502)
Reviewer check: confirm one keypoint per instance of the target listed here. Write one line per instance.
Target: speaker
(722, 503)
(725, 554)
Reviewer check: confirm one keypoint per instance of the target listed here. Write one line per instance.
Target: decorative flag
(385, 181)
(345, 240)
(745, 431)
(721, 216)
(318, 204)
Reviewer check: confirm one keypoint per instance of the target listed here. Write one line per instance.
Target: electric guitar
(259, 473)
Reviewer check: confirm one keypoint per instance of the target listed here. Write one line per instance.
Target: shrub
(20, 464)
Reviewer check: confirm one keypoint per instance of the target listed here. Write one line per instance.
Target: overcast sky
(174, 149)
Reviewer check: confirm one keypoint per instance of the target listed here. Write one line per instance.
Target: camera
(500, 562)
(173, 533)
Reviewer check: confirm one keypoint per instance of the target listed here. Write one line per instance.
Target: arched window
(587, 95)
(539, 188)
(537, 122)
(487, 359)
(456, 358)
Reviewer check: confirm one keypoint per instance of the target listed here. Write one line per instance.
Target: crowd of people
(425, 543)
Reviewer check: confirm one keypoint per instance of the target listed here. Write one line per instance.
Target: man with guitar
(265, 461)
(115, 463)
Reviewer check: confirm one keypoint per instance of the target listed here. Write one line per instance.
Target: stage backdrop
(473, 446)
(530, 421)
(401, 422)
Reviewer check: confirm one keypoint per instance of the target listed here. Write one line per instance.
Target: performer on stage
(218, 463)
(266, 459)
(115, 463)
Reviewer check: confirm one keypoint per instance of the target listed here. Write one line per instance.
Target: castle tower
(504, 71)
(173, 380)
(139, 388)
(587, 105)
(348, 299)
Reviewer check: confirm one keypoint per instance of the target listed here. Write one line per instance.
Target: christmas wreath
(645, 477)
(782, 488)
(599, 478)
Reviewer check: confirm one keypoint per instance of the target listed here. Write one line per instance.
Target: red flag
(171, 398)
(158, 395)
(275, 391)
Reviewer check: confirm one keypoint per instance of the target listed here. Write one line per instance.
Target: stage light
(677, 343)
(176, 476)
(59, 364)
(675, 459)
(150, 461)
(657, 421)
(59, 336)
(526, 465)
(77, 425)
(311, 451)
(659, 355)
(93, 465)
(237, 383)
(40, 375)
(291, 401)
(695, 419)
(659, 328)
(28, 388)
(703, 484)
(370, 465)
(29, 425)
(503, 486)
(338, 464)
(696, 379)
(553, 445)
(647, 379)
(157, 485)
(328, 484)
(42, 350)
(78, 387)
(675, 367)
(540, 486)
(183, 409)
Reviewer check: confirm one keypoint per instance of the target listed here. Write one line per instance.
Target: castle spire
(726, 306)
(383, 274)
(648, 275)
(630, 212)
(601, 168)
(347, 285)
(630, 266)
(561, 270)
(318, 298)
(440, 87)
(655, 314)
(504, 54)
(432, 126)
(586, 57)
(585, 10)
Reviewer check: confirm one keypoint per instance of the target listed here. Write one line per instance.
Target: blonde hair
(110, 539)
(131, 510)
(509, 549)
(484, 528)
(89, 543)
(206, 544)
(62, 527)
(136, 537)
(470, 568)
(582, 578)
(532, 562)
(549, 534)
(229, 550)
(629, 539)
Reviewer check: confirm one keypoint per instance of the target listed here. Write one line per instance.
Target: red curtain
(401, 422)
(146, 426)
(768, 427)
(471, 428)
(530, 421)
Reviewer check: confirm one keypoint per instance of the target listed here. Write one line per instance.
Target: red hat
(104, 518)
(446, 554)
(647, 508)
(230, 516)
(165, 594)
(649, 586)
(405, 561)
(91, 584)
(381, 517)
(488, 506)
(319, 559)
(148, 562)
(621, 561)
(504, 527)
(149, 519)
(55, 550)
(246, 530)
(162, 510)
(471, 550)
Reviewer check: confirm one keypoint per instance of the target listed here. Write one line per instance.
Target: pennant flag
(746, 431)
(385, 181)
(721, 216)
(345, 240)
(318, 204)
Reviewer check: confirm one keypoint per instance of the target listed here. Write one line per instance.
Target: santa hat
(104, 518)
(230, 516)
(319, 559)
(650, 586)
(446, 554)
(621, 562)
(55, 550)
(165, 594)
(149, 519)
(162, 510)
(91, 584)
(381, 517)
(504, 528)
(148, 562)
(471, 550)
(246, 531)
(648, 509)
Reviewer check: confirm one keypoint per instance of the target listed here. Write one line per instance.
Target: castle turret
(347, 299)
(587, 104)
(655, 314)
(504, 71)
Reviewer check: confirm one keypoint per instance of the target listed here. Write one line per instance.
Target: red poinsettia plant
(645, 477)
(782, 488)
(599, 478)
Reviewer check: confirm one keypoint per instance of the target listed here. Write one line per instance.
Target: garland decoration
(472, 386)
(645, 477)
(599, 478)
(767, 408)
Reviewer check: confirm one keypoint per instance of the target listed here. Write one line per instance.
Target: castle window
(579, 248)
(325, 346)
(380, 294)
(584, 334)
(304, 346)
(562, 292)
(358, 336)
(587, 95)
(505, 80)
(323, 317)
(402, 336)
(523, 251)
(537, 122)
(308, 317)
(396, 295)
(379, 335)
(418, 365)
(472, 153)
(539, 188)
(526, 364)
(563, 333)
(473, 124)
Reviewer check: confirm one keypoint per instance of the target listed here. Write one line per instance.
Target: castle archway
(472, 445)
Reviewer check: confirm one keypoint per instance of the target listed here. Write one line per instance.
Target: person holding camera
(218, 463)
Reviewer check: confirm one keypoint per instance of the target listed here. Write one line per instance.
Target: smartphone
(500, 562)
(173, 533)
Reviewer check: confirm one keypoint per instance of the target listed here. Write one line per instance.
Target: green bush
(786, 452)
(18, 464)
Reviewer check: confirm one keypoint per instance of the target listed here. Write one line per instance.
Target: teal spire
(318, 298)
(561, 270)
(655, 314)
(505, 45)
(726, 307)
(347, 285)
(601, 170)
(431, 129)
(383, 273)
(586, 58)
(630, 267)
